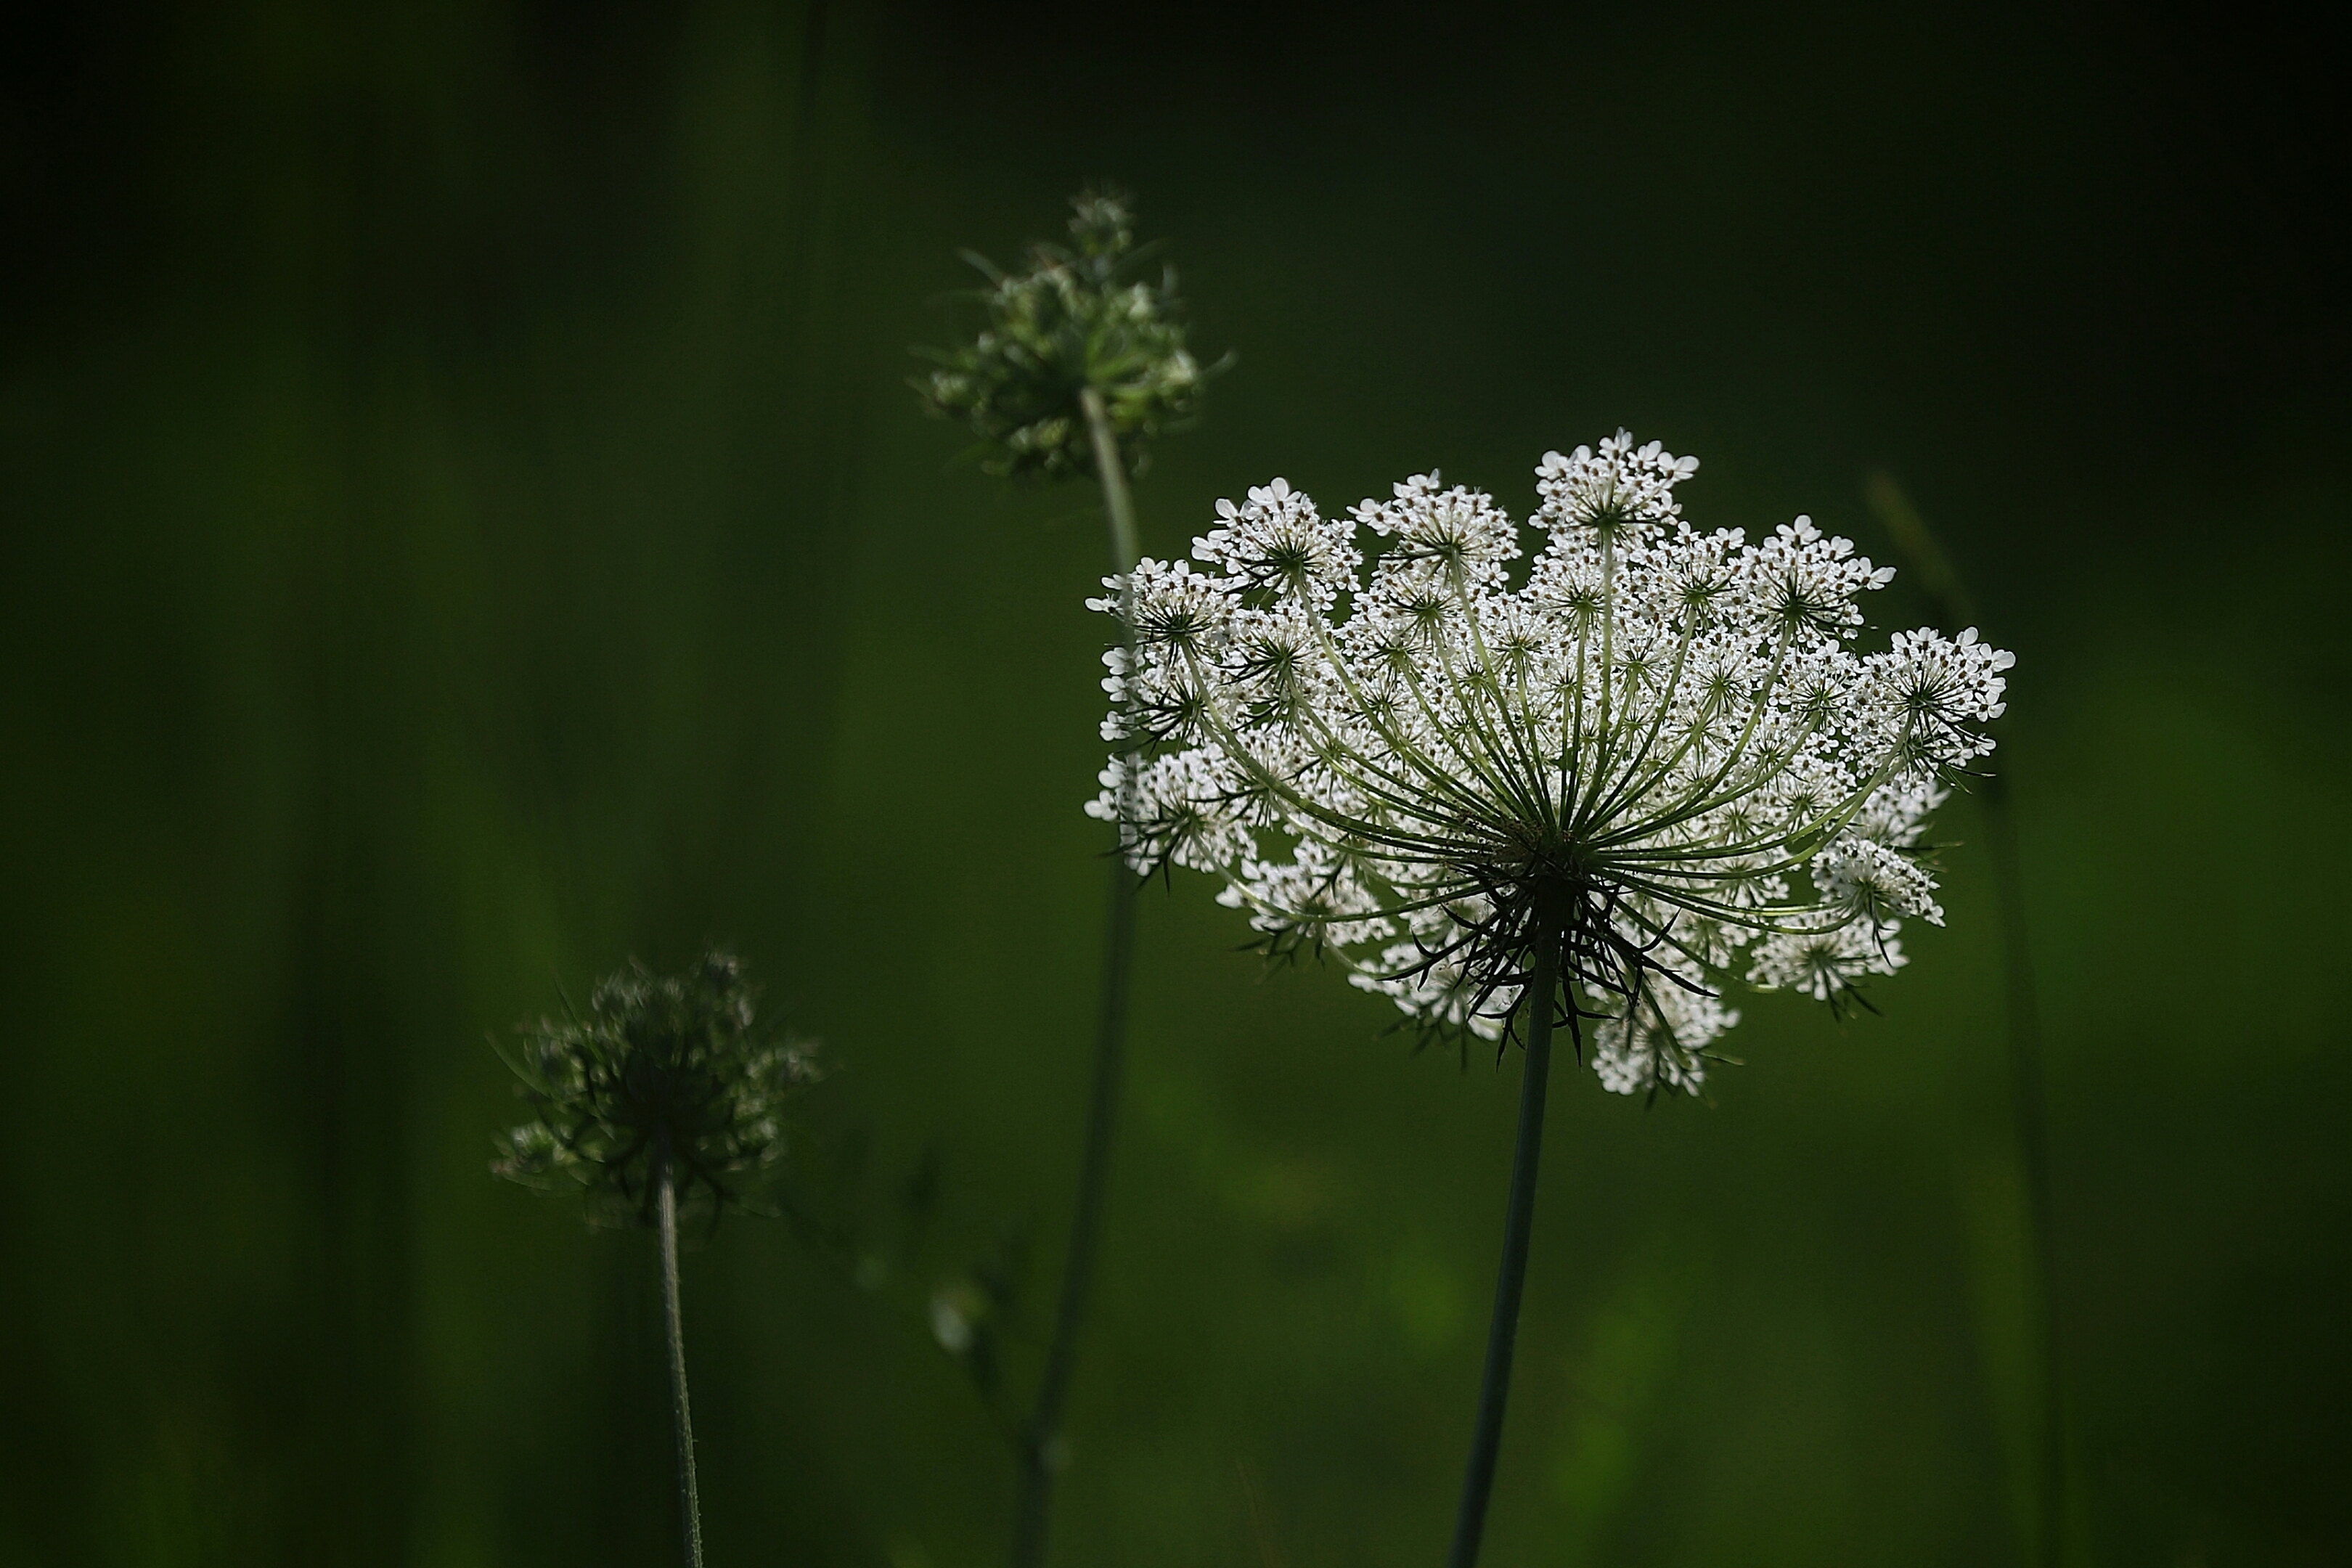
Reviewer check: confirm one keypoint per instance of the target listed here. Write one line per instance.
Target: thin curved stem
(1126, 541)
(1039, 1438)
(1503, 1332)
(690, 1507)
(2028, 1098)
(2028, 1092)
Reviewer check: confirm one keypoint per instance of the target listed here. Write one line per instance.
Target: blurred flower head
(662, 1068)
(1660, 751)
(1074, 319)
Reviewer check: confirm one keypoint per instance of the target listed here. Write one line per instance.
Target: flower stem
(2027, 1102)
(2028, 1094)
(1502, 1334)
(1126, 543)
(1039, 1440)
(690, 1507)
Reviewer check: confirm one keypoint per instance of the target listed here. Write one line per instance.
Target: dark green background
(465, 524)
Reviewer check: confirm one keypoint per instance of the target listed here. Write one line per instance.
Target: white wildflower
(1825, 966)
(1659, 1042)
(1626, 760)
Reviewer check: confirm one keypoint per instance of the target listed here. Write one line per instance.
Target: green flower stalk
(1081, 365)
(666, 1096)
(1943, 583)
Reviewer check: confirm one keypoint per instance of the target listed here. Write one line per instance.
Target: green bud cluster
(1072, 321)
(663, 1068)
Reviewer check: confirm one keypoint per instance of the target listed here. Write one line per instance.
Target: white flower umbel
(1657, 764)
(1661, 756)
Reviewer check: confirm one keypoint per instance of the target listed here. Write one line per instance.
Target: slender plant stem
(1040, 1436)
(2027, 1093)
(1126, 543)
(2034, 1144)
(1503, 1333)
(690, 1507)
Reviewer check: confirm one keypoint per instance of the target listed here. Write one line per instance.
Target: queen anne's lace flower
(1661, 751)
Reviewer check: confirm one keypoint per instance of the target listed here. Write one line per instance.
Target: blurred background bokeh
(465, 524)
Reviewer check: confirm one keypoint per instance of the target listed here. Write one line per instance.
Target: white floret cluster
(1661, 754)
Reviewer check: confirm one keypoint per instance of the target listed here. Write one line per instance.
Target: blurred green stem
(1126, 543)
(1503, 1332)
(1040, 1438)
(1942, 580)
(690, 1507)
(2033, 1146)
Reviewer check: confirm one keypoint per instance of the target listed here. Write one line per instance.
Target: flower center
(1557, 873)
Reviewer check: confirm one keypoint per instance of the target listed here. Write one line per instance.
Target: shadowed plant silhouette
(1081, 363)
(664, 1097)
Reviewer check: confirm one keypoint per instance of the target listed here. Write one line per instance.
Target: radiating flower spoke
(1426, 772)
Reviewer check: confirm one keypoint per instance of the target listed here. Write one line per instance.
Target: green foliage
(1073, 319)
(664, 1067)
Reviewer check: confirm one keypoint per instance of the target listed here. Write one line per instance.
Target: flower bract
(1660, 749)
